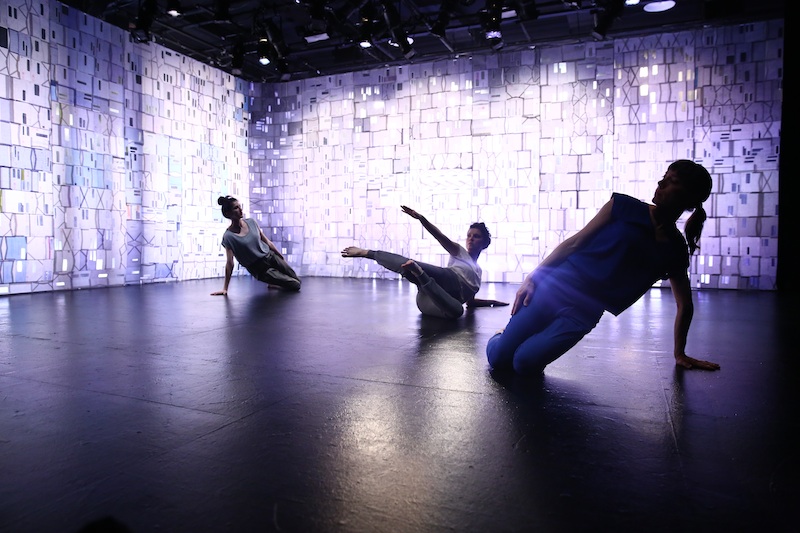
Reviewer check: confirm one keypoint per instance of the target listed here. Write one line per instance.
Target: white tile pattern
(112, 154)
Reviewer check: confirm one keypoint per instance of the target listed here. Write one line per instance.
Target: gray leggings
(439, 288)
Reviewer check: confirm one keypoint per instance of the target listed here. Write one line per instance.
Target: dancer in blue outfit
(246, 241)
(443, 291)
(607, 266)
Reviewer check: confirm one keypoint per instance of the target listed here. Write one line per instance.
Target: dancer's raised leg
(387, 260)
(432, 299)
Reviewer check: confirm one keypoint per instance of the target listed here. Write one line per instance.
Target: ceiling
(233, 35)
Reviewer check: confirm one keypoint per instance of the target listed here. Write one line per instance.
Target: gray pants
(439, 288)
(274, 270)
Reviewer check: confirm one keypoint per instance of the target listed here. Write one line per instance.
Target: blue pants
(540, 333)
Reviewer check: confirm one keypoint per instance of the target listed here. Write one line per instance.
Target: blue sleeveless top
(621, 261)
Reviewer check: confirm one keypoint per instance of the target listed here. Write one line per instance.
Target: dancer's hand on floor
(477, 302)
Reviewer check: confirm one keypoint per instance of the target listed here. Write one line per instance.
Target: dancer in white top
(442, 291)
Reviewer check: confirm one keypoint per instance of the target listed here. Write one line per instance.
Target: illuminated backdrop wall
(112, 153)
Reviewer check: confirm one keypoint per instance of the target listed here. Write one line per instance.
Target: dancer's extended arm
(450, 247)
(228, 272)
(682, 291)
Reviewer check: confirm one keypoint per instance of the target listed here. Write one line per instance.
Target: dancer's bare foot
(354, 251)
(412, 268)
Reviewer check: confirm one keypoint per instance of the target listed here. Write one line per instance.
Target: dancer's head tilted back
(484, 231)
(478, 239)
(695, 179)
(228, 204)
(696, 182)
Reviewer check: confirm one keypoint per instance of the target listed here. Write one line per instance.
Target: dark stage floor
(341, 409)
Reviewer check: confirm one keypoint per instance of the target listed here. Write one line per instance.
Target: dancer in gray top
(442, 291)
(244, 240)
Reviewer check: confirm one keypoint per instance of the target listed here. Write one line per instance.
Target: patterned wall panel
(533, 143)
(112, 153)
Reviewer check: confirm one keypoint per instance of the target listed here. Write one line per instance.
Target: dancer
(607, 266)
(245, 241)
(442, 291)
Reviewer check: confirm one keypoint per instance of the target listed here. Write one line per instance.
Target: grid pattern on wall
(532, 143)
(112, 153)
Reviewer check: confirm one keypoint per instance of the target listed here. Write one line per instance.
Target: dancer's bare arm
(450, 247)
(228, 272)
(682, 291)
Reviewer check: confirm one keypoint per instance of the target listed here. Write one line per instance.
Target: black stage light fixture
(525, 9)
(394, 23)
(237, 59)
(605, 16)
(271, 48)
(405, 46)
(659, 6)
(492, 16)
(368, 23)
(270, 38)
(140, 28)
(317, 28)
(264, 50)
(443, 19)
(222, 11)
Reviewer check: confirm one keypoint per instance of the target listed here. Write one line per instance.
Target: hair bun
(221, 200)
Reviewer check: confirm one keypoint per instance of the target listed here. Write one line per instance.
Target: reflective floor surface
(341, 409)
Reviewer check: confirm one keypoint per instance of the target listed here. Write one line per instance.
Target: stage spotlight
(368, 22)
(658, 7)
(174, 8)
(264, 49)
(492, 16)
(393, 22)
(317, 28)
(405, 46)
(409, 40)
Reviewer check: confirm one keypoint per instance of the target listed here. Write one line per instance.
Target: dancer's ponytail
(694, 228)
(697, 182)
